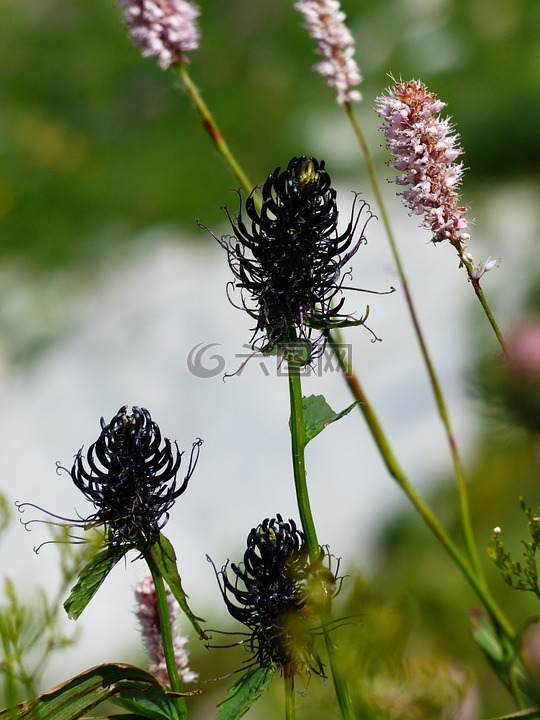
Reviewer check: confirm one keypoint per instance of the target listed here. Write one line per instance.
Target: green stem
(290, 704)
(515, 689)
(167, 638)
(464, 509)
(475, 282)
(340, 687)
(298, 443)
(211, 127)
(395, 470)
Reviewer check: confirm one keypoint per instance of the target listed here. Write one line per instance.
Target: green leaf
(88, 583)
(318, 414)
(151, 703)
(499, 649)
(76, 697)
(245, 692)
(165, 558)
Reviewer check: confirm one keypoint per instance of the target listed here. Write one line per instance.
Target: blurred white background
(123, 337)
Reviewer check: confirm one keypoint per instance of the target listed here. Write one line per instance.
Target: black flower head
(289, 259)
(129, 474)
(271, 594)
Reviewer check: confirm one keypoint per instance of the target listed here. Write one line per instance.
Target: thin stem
(516, 689)
(475, 282)
(424, 511)
(167, 638)
(290, 700)
(298, 445)
(212, 129)
(464, 509)
(340, 686)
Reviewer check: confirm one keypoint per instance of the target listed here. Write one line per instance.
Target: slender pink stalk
(148, 616)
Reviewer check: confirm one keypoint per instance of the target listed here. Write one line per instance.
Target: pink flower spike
(165, 29)
(425, 148)
(148, 617)
(325, 22)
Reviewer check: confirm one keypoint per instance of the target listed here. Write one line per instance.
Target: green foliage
(245, 692)
(29, 630)
(318, 415)
(74, 698)
(502, 653)
(150, 702)
(519, 575)
(99, 144)
(163, 555)
(529, 713)
(389, 674)
(88, 583)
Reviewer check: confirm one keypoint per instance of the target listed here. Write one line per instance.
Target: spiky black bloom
(289, 258)
(129, 474)
(271, 593)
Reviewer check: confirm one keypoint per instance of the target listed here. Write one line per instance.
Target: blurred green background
(98, 145)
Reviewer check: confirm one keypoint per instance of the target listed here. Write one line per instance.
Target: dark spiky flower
(289, 258)
(129, 474)
(271, 593)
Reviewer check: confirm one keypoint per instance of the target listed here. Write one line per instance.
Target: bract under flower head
(270, 593)
(129, 474)
(289, 257)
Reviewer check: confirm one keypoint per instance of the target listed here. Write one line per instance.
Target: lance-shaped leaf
(164, 557)
(151, 703)
(76, 697)
(245, 692)
(498, 649)
(318, 414)
(88, 583)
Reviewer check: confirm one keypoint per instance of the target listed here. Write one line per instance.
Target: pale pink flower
(425, 147)
(148, 617)
(484, 267)
(165, 29)
(325, 23)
